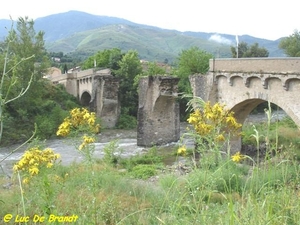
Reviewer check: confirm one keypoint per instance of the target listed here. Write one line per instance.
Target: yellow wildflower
(56, 156)
(237, 157)
(16, 167)
(86, 140)
(181, 150)
(220, 138)
(25, 180)
(33, 170)
(33, 159)
(78, 118)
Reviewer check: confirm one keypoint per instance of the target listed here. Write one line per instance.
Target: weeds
(117, 190)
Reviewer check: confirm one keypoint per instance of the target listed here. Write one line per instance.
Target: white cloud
(218, 38)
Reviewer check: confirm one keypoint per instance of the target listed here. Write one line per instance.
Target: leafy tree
(24, 42)
(154, 69)
(107, 58)
(65, 69)
(244, 51)
(149, 69)
(190, 61)
(35, 105)
(130, 66)
(291, 44)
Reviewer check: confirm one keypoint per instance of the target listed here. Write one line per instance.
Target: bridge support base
(158, 112)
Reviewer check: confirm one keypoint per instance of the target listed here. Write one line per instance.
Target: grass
(283, 136)
(116, 190)
(230, 194)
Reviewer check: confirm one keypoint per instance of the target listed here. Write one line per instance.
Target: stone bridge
(242, 84)
(97, 89)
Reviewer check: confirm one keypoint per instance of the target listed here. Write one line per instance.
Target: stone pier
(104, 99)
(158, 111)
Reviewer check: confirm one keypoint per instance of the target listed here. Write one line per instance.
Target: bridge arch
(85, 98)
(244, 108)
(242, 99)
(243, 84)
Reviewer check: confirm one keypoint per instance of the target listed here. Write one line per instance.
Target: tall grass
(260, 193)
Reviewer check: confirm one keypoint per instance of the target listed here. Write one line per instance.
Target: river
(127, 144)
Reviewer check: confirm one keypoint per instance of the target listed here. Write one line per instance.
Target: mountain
(62, 25)
(86, 34)
(5, 26)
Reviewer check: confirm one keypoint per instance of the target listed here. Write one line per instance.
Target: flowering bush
(79, 119)
(82, 122)
(33, 160)
(212, 126)
(86, 140)
(214, 122)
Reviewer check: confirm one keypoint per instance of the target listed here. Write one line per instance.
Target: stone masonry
(105, 101)
(242, 84)
(158, 111)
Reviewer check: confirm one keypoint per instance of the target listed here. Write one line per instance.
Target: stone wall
(203, 86)
(158, 111)
(261, 65)
(105, 101)
(242, 84)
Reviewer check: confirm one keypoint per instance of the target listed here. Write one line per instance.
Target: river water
(126, 140)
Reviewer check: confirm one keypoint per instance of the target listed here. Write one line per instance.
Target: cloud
(218, 38)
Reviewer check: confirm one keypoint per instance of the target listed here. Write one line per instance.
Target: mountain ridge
(76, 31)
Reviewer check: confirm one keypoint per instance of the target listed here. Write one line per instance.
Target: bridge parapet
(158, 111)
(284, 66)
(264, 77)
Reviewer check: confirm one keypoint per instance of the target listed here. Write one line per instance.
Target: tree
(129, 67)
(24, 42)
(21, 114)
(154, 69)
(291, 44)
(26, 98)
(242, 49)
(107, 58)
(65, 69)
(247, 52)
(191, 61)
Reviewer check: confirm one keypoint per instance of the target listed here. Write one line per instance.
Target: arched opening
(267, 128)
(85, 99)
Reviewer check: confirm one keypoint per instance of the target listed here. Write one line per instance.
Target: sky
(259, 18)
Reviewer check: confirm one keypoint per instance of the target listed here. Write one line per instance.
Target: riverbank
(127, 143)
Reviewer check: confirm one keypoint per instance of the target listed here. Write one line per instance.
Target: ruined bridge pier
(104, 99)
(158, 111)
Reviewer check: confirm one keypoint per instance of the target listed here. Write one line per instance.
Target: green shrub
(48, 121)
(151, 157)
(126, 122)
(143, 171)
(110, 151)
